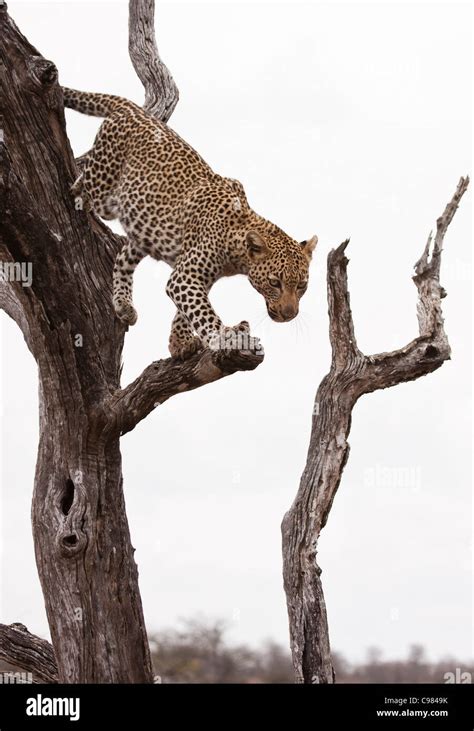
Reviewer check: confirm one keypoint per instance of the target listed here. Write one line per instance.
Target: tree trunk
(82, 542)
(351, 375)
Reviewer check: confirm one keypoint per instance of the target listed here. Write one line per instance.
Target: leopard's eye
(274, 282)
(303, 285)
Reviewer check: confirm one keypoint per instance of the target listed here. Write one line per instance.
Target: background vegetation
(200, 653)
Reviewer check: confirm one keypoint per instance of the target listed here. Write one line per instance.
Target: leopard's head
(279, 270)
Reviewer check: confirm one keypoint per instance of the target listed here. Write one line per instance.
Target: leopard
(174, 208)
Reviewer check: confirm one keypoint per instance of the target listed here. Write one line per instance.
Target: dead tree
(82, 542)
(351, 375)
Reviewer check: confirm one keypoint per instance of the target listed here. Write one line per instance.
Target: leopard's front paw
(125, 311)
(242, 327)
(183, 349)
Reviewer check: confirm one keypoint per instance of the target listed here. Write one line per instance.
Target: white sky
(342, 119)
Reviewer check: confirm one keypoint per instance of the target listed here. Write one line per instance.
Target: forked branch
(351, 375)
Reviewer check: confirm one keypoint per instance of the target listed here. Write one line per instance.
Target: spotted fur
(174, 208)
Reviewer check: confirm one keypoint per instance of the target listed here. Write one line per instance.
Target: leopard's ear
(256, 246)
(309, 246)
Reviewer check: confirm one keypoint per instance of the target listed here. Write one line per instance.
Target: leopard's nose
(288, 312)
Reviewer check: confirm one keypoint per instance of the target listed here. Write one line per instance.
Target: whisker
(262, 319)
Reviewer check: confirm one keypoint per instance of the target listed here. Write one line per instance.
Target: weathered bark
(351, 375)
(33, 654)
(82, 542)
(161, 92)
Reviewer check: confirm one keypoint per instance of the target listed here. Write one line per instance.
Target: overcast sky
(341, 119)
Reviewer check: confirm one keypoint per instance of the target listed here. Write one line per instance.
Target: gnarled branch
(352, 374)
(161, 92)
(20, 648)
(166, 378)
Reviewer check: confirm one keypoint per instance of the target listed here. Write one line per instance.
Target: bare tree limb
(166, 378)
(351, 375)
(161, 92)
(342, 337)
(20, 648)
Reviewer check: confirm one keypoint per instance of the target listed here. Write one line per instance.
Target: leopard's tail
(96, 105)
